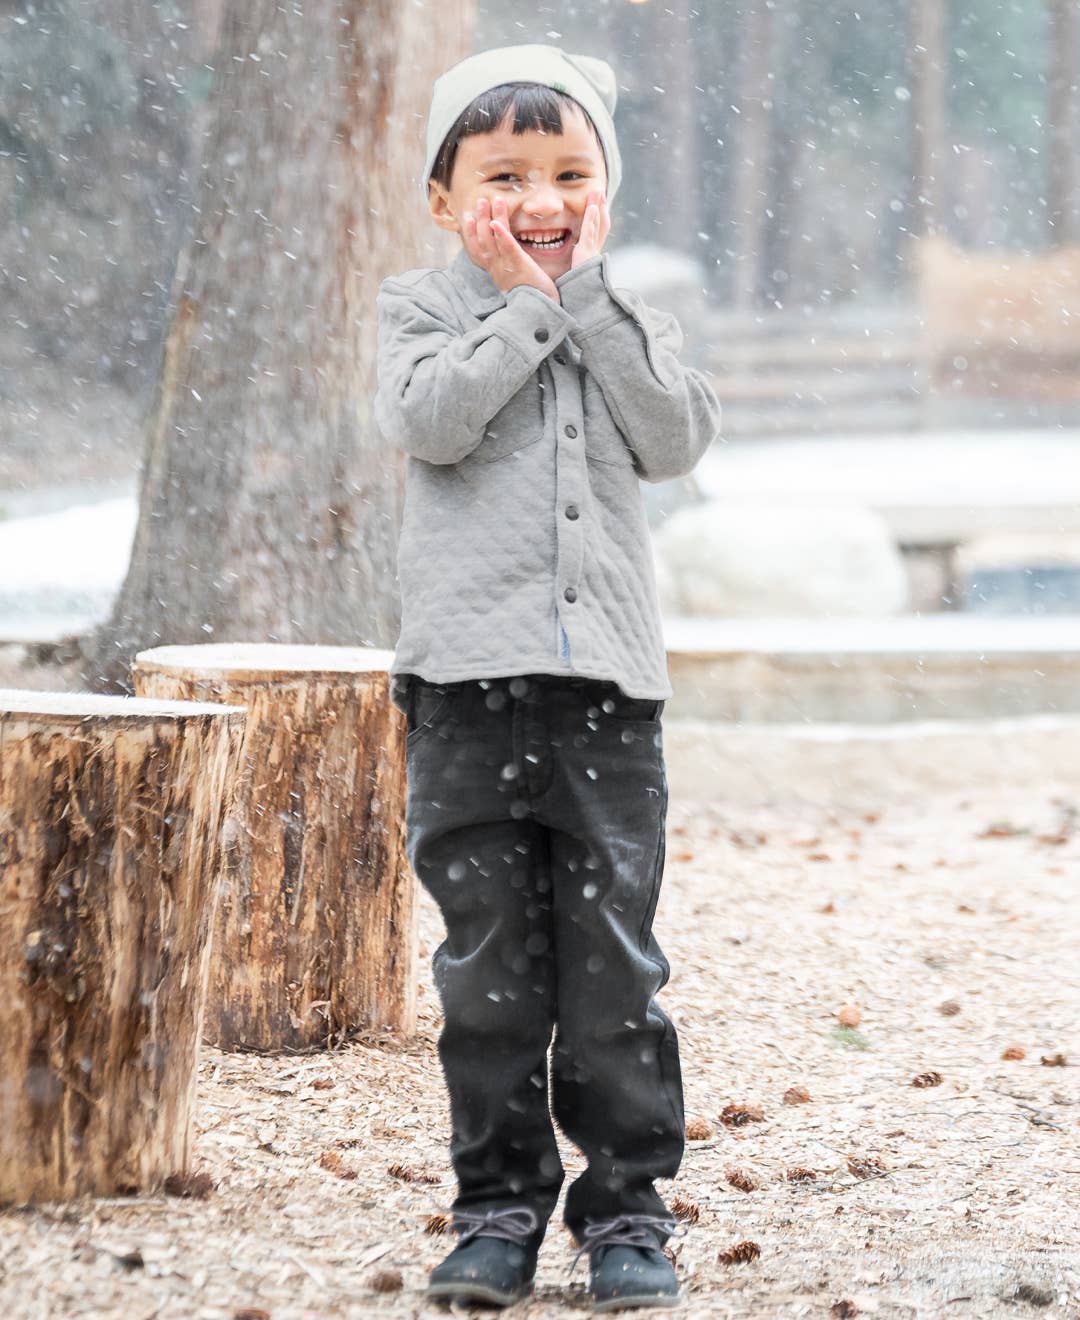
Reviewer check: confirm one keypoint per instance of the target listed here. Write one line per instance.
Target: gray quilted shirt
(528, 423)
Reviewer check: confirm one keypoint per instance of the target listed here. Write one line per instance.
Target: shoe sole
(474, 1292)
(641, 1300)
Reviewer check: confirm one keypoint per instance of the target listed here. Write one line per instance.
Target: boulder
(722, 560)
(668, 280)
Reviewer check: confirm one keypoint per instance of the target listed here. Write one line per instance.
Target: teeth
(543, 242)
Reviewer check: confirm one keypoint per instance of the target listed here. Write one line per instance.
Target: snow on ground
(931, 487)
(60, 571)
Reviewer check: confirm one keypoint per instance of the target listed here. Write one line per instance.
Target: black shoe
(627, 1266)
(493, 1263)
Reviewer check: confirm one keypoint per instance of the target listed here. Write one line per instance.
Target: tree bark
(678, 106)
(928, 61)
(111, 812)
(752, 141)
(268, 510)
(316, 926)
(1064, 228)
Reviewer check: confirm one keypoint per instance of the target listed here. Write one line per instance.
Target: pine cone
(739, 1115)
(741, 1251)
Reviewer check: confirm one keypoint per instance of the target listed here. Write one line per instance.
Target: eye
(497, 178)
(571, 174)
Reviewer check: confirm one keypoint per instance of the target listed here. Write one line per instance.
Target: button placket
(571, 478)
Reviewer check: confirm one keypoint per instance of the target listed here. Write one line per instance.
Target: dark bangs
(536, 107)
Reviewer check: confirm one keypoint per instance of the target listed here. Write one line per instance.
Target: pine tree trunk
(111, 814)
(268, 509)
(752, 140)
(928, 70)
(316, 925)
(1062, 202)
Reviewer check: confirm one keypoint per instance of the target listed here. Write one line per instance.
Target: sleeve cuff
(587, 294)
(531, 322)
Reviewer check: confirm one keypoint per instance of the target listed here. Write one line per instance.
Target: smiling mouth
(544, 240)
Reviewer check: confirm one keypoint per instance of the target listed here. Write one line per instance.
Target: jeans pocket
(428, 706)
(618, 706)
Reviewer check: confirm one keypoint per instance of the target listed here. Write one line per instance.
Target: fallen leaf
(332, 1162)
(866, 1166)
(386, 1281)
(850, 1037)
(406, 1173)
(197, 1186)
(1002, 829)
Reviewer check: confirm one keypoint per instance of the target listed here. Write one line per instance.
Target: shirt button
(570, 594)
(571, 511)
(541, 336)
(571, 431)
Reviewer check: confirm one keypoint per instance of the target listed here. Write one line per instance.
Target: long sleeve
(668, 412)
(439, 388)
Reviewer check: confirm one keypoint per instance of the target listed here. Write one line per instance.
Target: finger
(483, 228)
(510, 253)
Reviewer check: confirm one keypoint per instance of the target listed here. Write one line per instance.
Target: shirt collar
(478, 288)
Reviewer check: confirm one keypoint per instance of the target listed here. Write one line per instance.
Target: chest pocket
(517, 424)
(604, 442)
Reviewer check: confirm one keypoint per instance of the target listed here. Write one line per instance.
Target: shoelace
(516, 1224)
(625, 1231)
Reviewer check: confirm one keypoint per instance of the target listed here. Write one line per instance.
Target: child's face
(545, 179)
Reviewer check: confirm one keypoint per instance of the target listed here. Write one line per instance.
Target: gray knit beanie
(590, 81)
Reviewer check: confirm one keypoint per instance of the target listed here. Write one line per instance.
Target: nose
(544, 200)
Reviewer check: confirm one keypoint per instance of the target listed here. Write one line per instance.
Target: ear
(439, 205)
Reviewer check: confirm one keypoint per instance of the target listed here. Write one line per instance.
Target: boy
(531, 397)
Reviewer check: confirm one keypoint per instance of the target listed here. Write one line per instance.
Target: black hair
(535, 106)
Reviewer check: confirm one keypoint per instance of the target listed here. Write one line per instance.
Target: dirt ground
(948, 927)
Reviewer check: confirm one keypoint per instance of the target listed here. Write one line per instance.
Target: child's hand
(490, 243)
(595, 228)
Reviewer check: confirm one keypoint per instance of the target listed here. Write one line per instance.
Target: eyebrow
(520, 160)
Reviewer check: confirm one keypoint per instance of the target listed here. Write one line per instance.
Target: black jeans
(536, 818)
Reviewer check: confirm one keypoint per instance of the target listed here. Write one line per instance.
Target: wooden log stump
(316, 928)
(111, 813)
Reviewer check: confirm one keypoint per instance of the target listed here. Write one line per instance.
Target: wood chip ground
(958, 1198)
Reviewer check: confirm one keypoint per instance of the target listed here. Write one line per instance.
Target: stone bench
(943, 666)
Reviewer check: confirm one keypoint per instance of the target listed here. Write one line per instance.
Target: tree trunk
(1061, 166)
(928, 62)
(752, 139)
(111, 812)
(316, 926)
(678, 107)
(268, 509)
